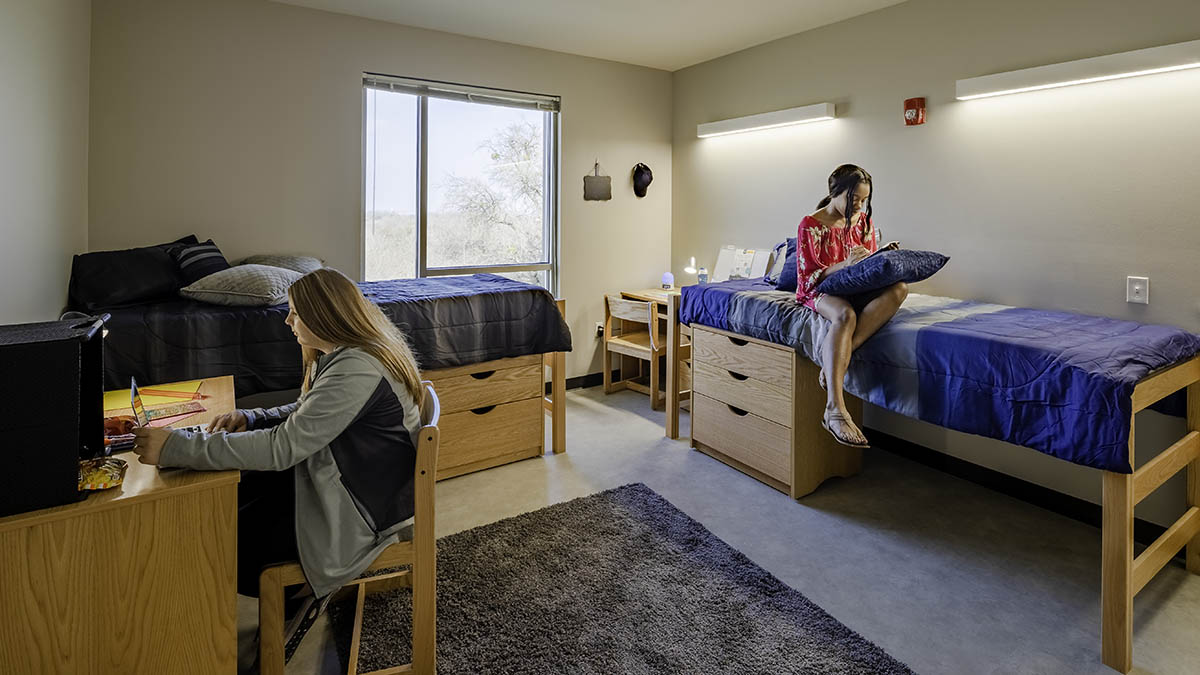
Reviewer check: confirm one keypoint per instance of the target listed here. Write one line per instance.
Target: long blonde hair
(334, 309)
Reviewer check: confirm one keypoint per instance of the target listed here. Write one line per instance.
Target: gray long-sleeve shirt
(351, 439)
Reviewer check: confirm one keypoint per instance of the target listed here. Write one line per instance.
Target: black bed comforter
(450, 321)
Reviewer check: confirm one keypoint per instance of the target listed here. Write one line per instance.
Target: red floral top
(819, 246)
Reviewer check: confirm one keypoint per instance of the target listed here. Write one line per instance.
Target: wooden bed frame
(1122, 573)
(494, 412)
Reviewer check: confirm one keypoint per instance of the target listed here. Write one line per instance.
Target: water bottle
(702, 275)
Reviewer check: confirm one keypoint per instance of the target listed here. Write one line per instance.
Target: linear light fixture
(1164, 59)
(769, 120)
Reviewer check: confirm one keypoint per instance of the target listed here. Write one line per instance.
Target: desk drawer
(491, 431)
(767, 364)
(747, 438)
(488, 387)
(762, 399)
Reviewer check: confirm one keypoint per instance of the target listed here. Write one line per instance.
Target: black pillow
(882, 270)
(111, 278)
(198, 261)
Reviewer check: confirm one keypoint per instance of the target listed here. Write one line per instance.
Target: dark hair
(845, 179)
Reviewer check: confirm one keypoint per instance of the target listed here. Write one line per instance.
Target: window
(459, 180)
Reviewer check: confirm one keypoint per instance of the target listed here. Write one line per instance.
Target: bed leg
(673, 364)
(1116, 570)
(1193, 475)
(558, 416)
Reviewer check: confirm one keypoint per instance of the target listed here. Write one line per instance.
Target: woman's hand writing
(230, 421)
(148, 443)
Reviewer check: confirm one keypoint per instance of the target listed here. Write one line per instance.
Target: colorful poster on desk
(116, 402)
(740, 263)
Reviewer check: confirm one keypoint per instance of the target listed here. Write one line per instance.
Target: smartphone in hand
(890, 246)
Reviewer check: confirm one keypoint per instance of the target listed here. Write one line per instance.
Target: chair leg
(608, 388)
(654, 390)
(270, 623)
(424, 622)
(356, 635)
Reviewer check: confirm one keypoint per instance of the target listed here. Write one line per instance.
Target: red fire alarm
(914, 111)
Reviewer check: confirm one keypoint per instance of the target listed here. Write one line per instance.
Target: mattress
(450, 321)
(1057, 382)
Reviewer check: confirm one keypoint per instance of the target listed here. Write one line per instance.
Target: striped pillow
(198, 261)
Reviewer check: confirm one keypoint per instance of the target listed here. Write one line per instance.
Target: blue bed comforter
(1056, 382)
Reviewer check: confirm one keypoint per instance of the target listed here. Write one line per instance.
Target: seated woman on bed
(838, 234)
(329, 478)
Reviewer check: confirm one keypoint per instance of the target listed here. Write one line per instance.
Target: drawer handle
(484, 375)
(738, 376)
(738, 342)
(737, 411)
(484, 410)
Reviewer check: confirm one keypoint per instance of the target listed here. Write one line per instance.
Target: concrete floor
(944, 575)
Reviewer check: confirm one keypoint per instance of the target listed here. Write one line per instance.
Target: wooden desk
(679, 354)
(137, 579)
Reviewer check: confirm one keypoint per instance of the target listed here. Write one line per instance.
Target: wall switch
(599, 329)
(1137, 289)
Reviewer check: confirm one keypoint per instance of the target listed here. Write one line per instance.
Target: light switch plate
(1137, 290)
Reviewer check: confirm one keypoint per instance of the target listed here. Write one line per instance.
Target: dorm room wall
(43, 153)
(241, 120)
(1047, 199)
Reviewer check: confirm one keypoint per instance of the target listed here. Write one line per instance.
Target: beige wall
(43, 153)
(241, 120)
(1046, 199)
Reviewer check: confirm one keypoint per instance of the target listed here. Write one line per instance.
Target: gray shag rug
(616, 582)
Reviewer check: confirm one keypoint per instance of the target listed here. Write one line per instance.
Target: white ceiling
(666, 34)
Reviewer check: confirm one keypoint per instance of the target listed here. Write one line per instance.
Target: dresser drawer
(483, 433)
(762, 399)
(756, 442)
(772, 365)
(488, 387)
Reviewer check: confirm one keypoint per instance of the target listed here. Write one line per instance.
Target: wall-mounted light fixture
(1179, 56)
(769, 120)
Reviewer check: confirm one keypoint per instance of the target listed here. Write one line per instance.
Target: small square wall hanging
(597, 188)
(914, 111)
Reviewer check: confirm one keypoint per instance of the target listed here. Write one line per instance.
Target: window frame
(423, 90)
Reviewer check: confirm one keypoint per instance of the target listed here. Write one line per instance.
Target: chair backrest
(431, 408)
(616, 307)
(424, 547)
(428, 436)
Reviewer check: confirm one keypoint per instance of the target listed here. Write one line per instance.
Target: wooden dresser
(757, 406)
(492, 413)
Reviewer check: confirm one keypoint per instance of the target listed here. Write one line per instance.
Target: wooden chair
(420, 554)
(640, 343)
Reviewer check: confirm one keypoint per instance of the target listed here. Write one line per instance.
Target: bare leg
(835, 359)
(878, 312)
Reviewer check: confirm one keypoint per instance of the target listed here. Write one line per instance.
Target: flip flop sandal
(297, 628)
(841, 439)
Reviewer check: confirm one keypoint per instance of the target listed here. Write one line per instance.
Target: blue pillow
(787, 275)
(778, 257)
(882, 270)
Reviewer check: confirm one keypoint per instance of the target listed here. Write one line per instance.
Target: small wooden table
(680, 354)
(137, 579)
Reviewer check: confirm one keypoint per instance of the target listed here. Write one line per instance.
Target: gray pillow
(243, 286)
(300, 263)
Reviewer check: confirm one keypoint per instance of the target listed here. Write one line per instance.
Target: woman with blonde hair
(329, 477)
